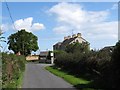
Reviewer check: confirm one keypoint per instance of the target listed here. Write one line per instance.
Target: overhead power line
(10, 15)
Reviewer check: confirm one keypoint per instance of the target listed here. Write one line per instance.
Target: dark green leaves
(23, 41)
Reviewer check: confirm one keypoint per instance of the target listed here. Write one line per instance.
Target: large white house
(69, 40)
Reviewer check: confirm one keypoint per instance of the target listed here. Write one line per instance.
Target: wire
(10, 15)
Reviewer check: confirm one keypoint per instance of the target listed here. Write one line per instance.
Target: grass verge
(20, 80)
(14, 84)
(79, 83)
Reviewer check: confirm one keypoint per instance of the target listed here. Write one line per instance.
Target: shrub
(12, 67)
(82, 62)
(115, 67)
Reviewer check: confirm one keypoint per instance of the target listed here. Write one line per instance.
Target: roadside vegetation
(2, 39)
(100, 67)
(70, 78)
(23, 42)
(13, 67)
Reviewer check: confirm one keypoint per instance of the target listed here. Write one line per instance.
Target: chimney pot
(65, 38)
(69, 37)
(79, 35)
(74, 35)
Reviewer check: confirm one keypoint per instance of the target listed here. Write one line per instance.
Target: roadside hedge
(91, 64)
(13, 67)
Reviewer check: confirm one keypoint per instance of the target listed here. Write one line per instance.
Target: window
(77, 41)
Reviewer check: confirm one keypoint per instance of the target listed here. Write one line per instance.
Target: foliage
(57, 52)
(68, 77)
(116, 54)
(115, 70)
(93, 65)
(12, 68)
(22, 41)
(49, 55)
(77, 47)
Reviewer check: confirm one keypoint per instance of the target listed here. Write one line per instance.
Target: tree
(116, 66)
(116, 54)
(23, 42)
(77, 47)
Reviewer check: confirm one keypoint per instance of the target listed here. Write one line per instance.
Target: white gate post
(52, 58)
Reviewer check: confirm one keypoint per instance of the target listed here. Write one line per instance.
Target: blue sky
(51, 21)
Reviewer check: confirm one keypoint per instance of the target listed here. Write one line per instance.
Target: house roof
(44, 53)
(108, 48)
(85, 40)
(58, 43)
(67, 41)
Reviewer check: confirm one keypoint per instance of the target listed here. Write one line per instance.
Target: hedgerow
(13, 67)
(97, 66)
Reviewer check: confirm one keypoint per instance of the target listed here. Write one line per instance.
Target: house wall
(77, 38)
(80, 40)
(34, 57)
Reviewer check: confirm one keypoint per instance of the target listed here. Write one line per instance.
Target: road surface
(37, 77)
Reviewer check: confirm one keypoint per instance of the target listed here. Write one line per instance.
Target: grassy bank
(20, 80)
(13, 68)
(77, 82)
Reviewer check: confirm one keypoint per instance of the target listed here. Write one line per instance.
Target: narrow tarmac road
(37, 77)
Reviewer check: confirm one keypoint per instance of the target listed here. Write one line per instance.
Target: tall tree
(23, 42)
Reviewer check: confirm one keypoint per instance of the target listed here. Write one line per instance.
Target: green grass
(80, 83)
(20, 80)
(16, 83)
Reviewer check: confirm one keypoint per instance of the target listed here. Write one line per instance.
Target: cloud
(93, 25)
(73, 16)
(115, 6)
(37, 26)
(5, 27)
(28, 25)
(61, 29)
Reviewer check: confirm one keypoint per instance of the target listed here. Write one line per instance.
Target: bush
(74, 62)
(62, 59)
(94, 65)
(12, 67)
(115, 67)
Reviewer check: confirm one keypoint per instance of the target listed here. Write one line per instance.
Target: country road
(37, 77)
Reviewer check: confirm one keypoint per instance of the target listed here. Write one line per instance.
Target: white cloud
(5, 27)
(73, 15)
(37, 26)
(28, 25)
(92, 24)
(61, 29)
(115, 6)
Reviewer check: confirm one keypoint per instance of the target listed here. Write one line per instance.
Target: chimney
(65, 38)
(69, 37)
(79, 35)
(74, 35)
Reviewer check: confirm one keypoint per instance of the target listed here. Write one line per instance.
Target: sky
(51, 21)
